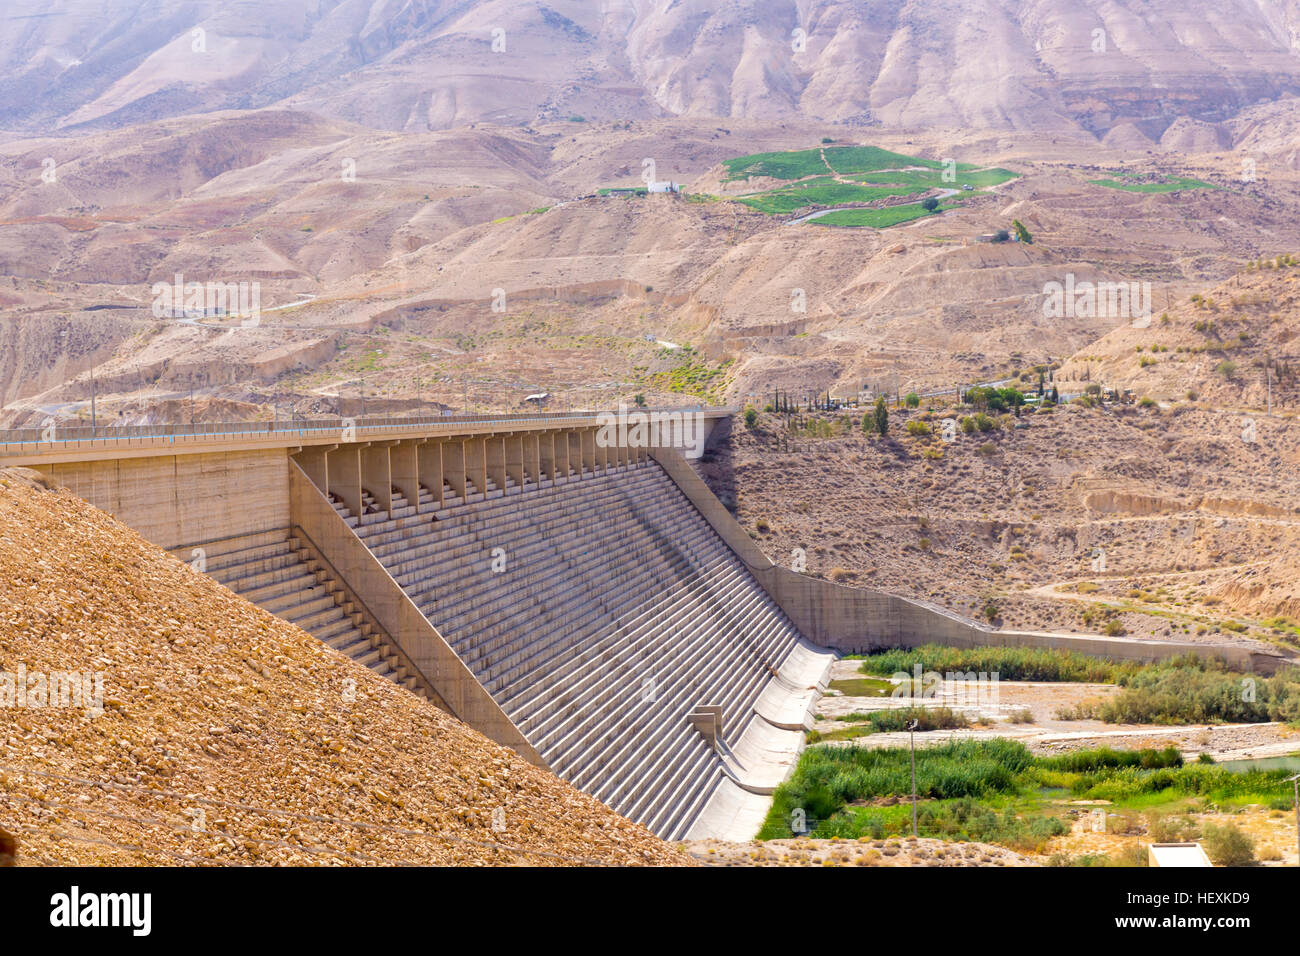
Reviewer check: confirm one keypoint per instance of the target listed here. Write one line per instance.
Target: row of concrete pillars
(463, 463)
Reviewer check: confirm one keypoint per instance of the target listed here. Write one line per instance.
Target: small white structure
(537, 399)
(666, 186)
(1178, 854)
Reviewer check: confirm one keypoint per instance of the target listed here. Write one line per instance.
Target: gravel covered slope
(228, 736)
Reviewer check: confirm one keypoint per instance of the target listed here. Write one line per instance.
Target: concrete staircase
(277, 572)
(600, 612)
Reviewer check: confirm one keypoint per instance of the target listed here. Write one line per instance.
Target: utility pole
(1295, 786)
(1268, 378)
(94, 420)
(911, 734)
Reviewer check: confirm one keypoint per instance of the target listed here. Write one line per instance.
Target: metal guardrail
(56, 436)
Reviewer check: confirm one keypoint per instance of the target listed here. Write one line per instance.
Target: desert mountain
(418, 65)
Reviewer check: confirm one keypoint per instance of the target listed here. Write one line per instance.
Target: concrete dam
(563, 582)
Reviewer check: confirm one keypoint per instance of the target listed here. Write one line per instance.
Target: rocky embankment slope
(228, 736)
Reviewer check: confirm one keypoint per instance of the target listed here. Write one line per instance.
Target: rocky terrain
(895, 851)
(1156, 521)
(225, 736)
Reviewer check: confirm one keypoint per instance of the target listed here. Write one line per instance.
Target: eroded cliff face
(1043, 65)
(38, 352)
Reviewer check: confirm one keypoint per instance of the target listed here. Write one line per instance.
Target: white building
(1178, 854)
(666, 186)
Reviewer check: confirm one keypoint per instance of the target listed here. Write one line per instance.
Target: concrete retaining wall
(186, 499)
(857, 620)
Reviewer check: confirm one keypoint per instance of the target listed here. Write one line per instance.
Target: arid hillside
(479, 266)
(228, 736)
(1232, 344)
(1152, 521)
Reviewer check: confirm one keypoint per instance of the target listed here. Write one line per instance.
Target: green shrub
(1090, 761)
(1009, 663)
(896, 719)
(1226, 845)
(1171, 828)
(1165, 694)
(831, 784)
(880, 417)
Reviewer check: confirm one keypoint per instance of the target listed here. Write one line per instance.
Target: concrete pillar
(564, 453)
(573, 446)
(344, 470)
(476, 463)
(589, 449)
(429, 456)
(514, 456)
(546, 455)
(377, 473)
(707, 719)
(453, 466)
(315, 464)
(495, 449)
(404, 461)
(533, 457)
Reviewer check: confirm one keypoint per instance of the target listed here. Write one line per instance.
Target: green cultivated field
(933, 178)
(877, 173)
(843, 160)
(847, 160)
(877, 218)
(780, 201)
(1168, 186)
